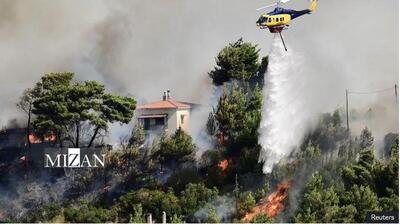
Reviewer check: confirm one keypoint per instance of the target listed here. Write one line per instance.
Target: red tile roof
(153, 116)
(165, 104)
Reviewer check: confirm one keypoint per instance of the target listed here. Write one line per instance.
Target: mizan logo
(73, 159)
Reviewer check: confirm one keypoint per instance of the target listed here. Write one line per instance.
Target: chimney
(168, 94)
(164, 96)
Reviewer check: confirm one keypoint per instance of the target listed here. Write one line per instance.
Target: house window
(146, 125)
(159, 121)
(182, 118)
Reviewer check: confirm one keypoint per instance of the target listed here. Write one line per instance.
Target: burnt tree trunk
(28, 127)
(77, 134)
(94, 136)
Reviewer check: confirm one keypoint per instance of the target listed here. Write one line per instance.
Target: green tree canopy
(328, 133)
(194, 197)
(238, 115)
(389, 141)
(179, 147)
(362, 172)
(45, 213)
(262, 218)
(137, 216)
(237, 61)
(88, 214)
(246, 202)
(366, 139)
(64, 107)
(152, 201)
(322, 205)
(212, 215)
(26, 104)
(363, 199)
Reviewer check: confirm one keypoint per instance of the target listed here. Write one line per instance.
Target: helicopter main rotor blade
(272, 5)
(267, 6)
(282, 2)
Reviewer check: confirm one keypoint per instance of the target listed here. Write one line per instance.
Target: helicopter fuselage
(279, 19)
(275, 23)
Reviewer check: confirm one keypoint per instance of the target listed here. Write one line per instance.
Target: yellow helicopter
(278, 19)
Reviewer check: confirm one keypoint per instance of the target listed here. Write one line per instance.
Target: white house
(165, 115)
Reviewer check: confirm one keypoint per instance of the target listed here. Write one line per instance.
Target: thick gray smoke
(141, 48)
(136, 48)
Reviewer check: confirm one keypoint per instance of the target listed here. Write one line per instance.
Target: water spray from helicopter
(283, 115)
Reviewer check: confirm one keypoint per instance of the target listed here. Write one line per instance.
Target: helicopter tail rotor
(313, 5)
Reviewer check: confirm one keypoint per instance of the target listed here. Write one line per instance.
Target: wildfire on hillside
(271, 205)
(223, 165)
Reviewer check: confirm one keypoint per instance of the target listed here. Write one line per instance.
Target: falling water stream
(281, 127)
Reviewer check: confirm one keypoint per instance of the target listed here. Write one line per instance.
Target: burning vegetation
(224, 165)
(273, 204)
(34, 139)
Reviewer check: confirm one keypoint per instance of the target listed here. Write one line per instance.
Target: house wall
(186, 117)
(174, 118)
(171, 121)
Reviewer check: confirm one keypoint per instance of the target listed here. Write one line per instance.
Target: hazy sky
(143, 47)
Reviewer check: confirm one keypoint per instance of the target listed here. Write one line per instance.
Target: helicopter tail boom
(311, 8)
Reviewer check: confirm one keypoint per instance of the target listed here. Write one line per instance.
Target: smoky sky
(141, 48)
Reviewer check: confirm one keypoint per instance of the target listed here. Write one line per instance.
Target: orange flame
(49, 138)
(33, 139)
(223, 165)
(271, 205)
